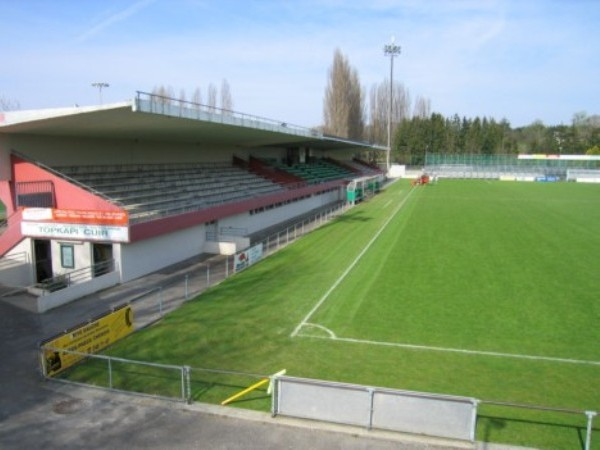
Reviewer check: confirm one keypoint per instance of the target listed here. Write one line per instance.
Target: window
(67, 256)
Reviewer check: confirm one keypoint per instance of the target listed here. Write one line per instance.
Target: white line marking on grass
(350, 267)
(458, 350)
(320, 327)
(388, 203)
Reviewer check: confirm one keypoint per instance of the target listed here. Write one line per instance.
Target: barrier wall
(404, 411)
(76, 291)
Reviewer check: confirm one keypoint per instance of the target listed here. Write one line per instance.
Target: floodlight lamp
(391, 50)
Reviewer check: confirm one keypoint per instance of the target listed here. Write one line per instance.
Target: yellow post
(245, 391)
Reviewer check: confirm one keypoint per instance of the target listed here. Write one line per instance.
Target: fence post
(43, 363)
(186, 286)
(227, 266)
(371, 392)
(110, 379)
(588, 438)
(183, 383)
(275, 397)
(188, 384)
(160, 302)
(474, 420)
(207, 275)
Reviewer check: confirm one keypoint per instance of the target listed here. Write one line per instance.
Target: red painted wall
(364, 163)
(68, 196)
(140, 231)
(273, 174)
(12, 235)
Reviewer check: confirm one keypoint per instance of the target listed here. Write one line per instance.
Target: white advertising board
(248, 257)
(79, 232)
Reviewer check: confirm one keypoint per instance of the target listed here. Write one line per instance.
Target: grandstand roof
(148, 120)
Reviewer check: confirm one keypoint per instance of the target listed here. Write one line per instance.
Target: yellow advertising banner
(89, 338)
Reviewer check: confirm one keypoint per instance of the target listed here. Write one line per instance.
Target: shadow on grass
(167, 382)
(357, 217)
(506, 430)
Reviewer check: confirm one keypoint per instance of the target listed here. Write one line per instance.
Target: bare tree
(343, 109)
(197, 98)
(212, 97)
(7, 104)
(226, 100)
(422, 107)
(379, 104)
(164, 94)
(182, 100)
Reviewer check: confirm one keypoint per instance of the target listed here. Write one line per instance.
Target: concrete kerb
(403, 440)
(99, 394)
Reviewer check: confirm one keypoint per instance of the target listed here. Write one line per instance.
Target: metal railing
(65, 280)
(67, 178)
(14, 260)
(186, 383)
(587, 416)
(160, 104)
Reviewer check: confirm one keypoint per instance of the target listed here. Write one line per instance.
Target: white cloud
(113, 19)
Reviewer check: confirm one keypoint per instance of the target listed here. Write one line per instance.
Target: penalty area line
(350, 267)
(459, 350)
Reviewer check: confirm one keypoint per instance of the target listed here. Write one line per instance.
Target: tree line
(350, 113)
(416, 136)
(355, 112)
(215, 98)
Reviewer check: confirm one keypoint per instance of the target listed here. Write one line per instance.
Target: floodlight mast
(390, 50)
(100, 85)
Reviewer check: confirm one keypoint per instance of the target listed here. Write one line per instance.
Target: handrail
(15, 258)
(65, 280)
(67, 178)
(156, 99)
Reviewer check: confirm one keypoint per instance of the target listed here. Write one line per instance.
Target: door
(43, 260)
(102, 258)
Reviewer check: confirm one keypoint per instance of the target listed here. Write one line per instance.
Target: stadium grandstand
(129, 188)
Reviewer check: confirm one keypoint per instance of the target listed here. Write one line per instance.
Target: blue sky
(523, 60)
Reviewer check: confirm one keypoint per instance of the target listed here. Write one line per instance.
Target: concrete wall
(269, 217)
(65, 151)
(5, 172)
(16, 268)
(82, 254)
(226, 248)
(76, 291)
(149, 255)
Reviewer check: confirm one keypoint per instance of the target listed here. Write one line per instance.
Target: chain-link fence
(167, 381)
(412, 412)
(168, 294)
(499, 166)
(185, 383)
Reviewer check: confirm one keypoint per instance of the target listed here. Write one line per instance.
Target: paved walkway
(47, 414)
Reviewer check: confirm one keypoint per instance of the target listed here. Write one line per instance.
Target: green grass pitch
(485, 289)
